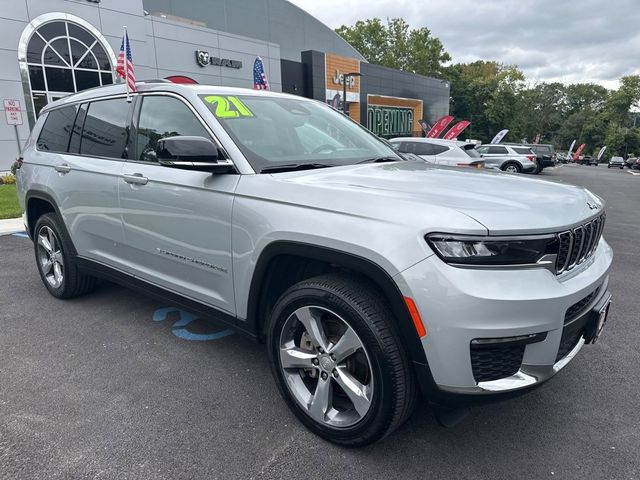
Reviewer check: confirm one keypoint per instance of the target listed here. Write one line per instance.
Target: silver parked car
(508, 158)
(451, 153)
(369, 277)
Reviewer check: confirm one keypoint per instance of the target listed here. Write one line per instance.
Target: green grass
(9, 207)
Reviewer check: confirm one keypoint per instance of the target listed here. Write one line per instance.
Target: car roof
(436, 141)
(162, 86)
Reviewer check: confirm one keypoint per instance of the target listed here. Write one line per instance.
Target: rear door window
(422, 148)
(438, 149)
(56, 130)
(497, 150)
(105, 128)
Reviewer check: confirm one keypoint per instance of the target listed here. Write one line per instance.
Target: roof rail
(155, 80)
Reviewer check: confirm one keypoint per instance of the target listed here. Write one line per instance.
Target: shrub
(7, 179)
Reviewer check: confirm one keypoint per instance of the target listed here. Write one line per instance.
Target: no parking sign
(12, 111)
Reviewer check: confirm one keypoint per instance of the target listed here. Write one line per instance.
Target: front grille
(493, 363)
(578, 244)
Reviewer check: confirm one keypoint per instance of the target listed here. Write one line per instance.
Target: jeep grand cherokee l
(368, 276)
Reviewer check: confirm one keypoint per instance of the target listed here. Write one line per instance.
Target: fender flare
(364, 266)
(31, 194)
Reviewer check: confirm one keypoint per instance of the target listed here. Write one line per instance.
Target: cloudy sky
(551, 40)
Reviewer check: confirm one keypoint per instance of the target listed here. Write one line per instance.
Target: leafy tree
(395, 45)
(485, 93)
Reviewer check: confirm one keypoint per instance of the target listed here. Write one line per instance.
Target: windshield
(277, 131)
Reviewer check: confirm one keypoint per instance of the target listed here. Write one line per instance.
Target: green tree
(485, 93)
(396, 45)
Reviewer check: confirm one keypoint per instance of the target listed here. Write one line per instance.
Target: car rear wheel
(56, 265)
(512, 168)
(338, 360)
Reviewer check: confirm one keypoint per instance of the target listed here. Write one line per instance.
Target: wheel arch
(38, 203)
(268, 263)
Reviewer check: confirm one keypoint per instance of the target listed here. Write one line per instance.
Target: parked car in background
(616, 162)
(508, 158)
(589, 160)
(545, 154)
(636, 164)
(451, 153)
(631, 162)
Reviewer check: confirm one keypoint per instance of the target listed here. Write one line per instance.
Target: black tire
(515, 165)
(361, 305)
(73, 282)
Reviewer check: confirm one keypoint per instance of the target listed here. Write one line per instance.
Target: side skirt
(96, 269)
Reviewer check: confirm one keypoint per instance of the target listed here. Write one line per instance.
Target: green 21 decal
(228, 107)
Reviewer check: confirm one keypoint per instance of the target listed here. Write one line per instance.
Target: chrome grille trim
(579, 244)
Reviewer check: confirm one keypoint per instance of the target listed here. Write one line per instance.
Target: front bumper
(461, 305)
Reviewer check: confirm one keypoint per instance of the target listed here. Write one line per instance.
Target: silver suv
(368, 276)
(511, 159)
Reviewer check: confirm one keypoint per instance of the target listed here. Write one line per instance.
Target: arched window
(60, 56)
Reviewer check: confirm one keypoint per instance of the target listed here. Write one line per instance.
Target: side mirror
(191, 153)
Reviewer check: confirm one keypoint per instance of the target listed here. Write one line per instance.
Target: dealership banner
(456, 130)
(439, 126)
(601, 152)
(500, 135)
(576, 155)
(573, 144)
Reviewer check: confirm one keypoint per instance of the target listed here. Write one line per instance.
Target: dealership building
(50, 48)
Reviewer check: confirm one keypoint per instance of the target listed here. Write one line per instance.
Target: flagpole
(126, 66)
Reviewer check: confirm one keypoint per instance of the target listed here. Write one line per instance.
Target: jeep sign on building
(49, 49)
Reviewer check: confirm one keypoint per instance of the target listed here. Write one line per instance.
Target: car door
(177, 223)
(86, 173)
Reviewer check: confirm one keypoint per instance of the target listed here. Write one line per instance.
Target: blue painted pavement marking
(185, 318)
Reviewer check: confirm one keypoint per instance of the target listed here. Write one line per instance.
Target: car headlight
(487, 251)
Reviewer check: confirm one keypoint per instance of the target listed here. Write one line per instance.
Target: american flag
(125, 68)
(259, 77)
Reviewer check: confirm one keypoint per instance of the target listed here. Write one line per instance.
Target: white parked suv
(368, 276)
(451, 153)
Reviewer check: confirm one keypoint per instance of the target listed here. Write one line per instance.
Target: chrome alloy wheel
(50, 257)
(326, 366)
(511, 169)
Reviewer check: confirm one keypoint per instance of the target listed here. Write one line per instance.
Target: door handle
(62, 168)
(135, 179)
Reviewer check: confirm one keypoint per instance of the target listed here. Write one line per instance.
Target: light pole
(345, 77)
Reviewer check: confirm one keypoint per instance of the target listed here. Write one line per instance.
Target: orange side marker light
(415, 316)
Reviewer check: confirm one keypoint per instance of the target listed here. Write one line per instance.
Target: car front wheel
(338, 360)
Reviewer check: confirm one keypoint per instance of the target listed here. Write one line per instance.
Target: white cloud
(551, 40)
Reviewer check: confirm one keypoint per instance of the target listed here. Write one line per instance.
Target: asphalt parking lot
(117, 385)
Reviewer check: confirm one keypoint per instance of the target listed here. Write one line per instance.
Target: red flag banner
(439, 126)
(456, 130)
(576, 155)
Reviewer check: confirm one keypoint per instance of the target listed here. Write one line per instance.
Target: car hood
(502, 203)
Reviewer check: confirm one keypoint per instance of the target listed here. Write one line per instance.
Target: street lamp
(345, 77)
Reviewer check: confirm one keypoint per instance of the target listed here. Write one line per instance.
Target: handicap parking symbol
(181, 327)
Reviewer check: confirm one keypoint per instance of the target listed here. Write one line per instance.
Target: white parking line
(633, 173)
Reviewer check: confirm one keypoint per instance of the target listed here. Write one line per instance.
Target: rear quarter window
(523, 150)
(56, 130)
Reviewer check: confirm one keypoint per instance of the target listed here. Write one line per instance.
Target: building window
(60, 56)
